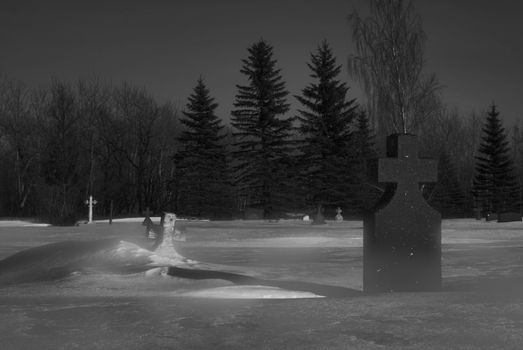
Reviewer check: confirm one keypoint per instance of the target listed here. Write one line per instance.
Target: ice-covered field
(258, 285)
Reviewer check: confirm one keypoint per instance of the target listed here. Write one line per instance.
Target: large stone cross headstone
(402, 236)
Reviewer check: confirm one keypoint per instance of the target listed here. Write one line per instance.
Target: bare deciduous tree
(93, 103)
(19, 130)
(61, 158)
(389, 63)
(139, 113)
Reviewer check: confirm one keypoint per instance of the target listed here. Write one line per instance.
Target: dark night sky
(474, 46)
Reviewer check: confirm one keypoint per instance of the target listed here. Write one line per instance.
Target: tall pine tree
(327, 153)
(261, 132)
(364, 137)
(202, 162)
(367, 193)
(447, 195)
(495, 187)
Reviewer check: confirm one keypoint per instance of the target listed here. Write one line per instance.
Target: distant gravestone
(253, 213)
(477, 213)
(491, 217)
(402, 236)
(339, 217)
(319, 218)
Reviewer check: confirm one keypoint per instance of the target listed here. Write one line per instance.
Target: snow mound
(248, 292)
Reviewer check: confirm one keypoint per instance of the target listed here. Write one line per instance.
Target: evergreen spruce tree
(495, 187)
(364, 137)
(202, 163)
(447, 195)
(367, 194)
(327, 152)
(262, 132)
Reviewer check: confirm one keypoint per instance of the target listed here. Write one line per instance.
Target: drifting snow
(248, 292)
(21, 223)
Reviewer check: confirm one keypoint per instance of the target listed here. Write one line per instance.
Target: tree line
(61, 143)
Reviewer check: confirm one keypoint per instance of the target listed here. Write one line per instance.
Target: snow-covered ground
(272, 250)
(128, 299)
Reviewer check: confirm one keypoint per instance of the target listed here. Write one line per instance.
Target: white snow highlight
(248, 292)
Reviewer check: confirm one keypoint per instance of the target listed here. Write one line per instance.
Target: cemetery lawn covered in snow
(305, 292)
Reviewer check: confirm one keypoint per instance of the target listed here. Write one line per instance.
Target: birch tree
(389, 63)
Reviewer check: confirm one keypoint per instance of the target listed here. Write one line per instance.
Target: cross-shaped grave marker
(402, 236)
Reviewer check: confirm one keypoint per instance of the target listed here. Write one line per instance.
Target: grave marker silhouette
(402, 236)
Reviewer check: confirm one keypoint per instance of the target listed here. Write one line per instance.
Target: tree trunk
(319, 219)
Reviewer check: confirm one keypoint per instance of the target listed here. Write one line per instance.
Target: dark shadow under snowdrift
(319, 289)
(56, 261)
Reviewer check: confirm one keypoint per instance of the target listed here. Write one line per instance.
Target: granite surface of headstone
(402, 235)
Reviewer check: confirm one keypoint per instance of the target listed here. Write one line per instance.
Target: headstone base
(401, 262)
